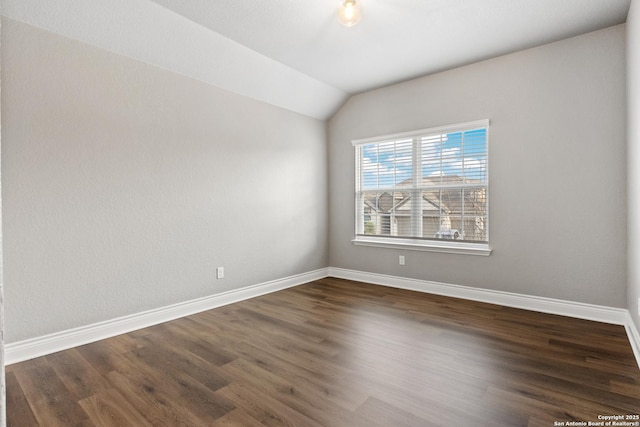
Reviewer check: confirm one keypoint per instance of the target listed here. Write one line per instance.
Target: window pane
(430, 225)
(369, 165)
(455, 156)
(455, 213)
(451, 155)
(431, 164)
(403, 162)
(387, 164)
(387, 213)
(474, 158)
(475, 214)
(451, 199)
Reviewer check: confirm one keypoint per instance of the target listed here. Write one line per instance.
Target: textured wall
(633, 156)
(557, 169)
(126, 185)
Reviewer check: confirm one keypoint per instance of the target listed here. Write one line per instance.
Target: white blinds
(427, 184)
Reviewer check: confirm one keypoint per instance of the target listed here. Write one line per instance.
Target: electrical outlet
(401, 259)
(219, 272)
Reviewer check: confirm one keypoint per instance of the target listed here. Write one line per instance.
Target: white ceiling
(396, 39)
(294, 53)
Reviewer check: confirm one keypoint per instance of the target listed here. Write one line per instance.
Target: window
(425, 190)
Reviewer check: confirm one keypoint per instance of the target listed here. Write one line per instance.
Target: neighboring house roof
(446, 200)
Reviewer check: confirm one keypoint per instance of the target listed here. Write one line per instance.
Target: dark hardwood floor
(337, 353)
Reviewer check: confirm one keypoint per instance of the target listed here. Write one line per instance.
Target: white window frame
(445, 246)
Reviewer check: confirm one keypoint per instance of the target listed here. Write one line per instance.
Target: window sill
(448, 247)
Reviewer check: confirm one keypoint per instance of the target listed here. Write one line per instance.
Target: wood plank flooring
(337, 353)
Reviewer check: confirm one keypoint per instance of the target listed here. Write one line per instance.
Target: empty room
(320, 213)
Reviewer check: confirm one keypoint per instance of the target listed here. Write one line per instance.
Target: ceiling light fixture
(349, 13)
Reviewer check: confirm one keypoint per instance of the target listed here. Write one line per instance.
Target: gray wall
(633, 165)
(557, 169)
(125, 185)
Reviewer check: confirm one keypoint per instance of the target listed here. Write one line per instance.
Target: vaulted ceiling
(295, 54)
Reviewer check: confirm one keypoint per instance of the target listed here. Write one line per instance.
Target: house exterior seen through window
(424, 188)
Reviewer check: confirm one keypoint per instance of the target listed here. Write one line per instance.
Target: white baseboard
(40, 346)
(617, 316)
(598, 313)
(634, 337)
